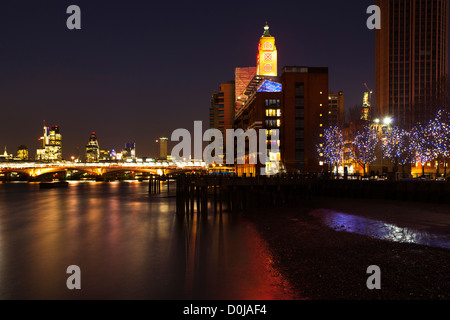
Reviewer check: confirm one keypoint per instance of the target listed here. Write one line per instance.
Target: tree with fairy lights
(364, 144)
(439, 133)
(331, 150)
(422, 145)
(396, 147)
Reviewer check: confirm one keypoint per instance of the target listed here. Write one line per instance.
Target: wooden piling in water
(195, 192)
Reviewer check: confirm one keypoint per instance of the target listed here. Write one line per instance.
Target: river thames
(128, 245)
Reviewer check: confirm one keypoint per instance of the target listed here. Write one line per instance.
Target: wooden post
(180, 195)
(191, 196)
(215, 195)
(220, 194)
(150, 182)
(168, 185)
(205, 201)
(197, 189)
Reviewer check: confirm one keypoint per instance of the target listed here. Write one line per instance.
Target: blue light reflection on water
(381, 230)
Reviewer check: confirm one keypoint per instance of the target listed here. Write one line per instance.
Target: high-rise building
(129, 153)
(92, 149)
(51, 145)
(411, 59)
(305, 116)
(163, 148)
(22, 153)
(222, 110)
(114, 155)
(105, 155)
(336, 109)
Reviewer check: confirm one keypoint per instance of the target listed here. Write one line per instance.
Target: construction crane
(370, 93)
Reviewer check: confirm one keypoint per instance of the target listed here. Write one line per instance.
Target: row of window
(273, 113)
(273, 123)
(273, 102)
(272, 132)
(273, 143)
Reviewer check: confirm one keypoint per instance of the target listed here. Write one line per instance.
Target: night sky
(140, 69)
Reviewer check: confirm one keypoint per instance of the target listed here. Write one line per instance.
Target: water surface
(129, 245)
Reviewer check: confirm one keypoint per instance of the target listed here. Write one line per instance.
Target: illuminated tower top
(266, 59)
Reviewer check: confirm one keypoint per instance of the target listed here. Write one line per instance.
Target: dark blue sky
(140, 69)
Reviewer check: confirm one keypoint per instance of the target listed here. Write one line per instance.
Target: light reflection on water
(380, 230)
(128, 245)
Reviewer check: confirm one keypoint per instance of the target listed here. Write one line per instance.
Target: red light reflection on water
(128, 246)
(224, 265)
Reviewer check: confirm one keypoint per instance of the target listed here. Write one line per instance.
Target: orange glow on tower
(266, 59)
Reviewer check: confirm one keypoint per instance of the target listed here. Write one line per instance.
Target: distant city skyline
(137, 72)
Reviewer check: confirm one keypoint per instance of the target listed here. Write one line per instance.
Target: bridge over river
(36, 169)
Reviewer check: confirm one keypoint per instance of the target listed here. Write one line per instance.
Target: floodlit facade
(5, 156)
(105, 155)
(129, 153)
(22, 153)
(267, 56)
(92, 149)
(366, 107)
(51, 145)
